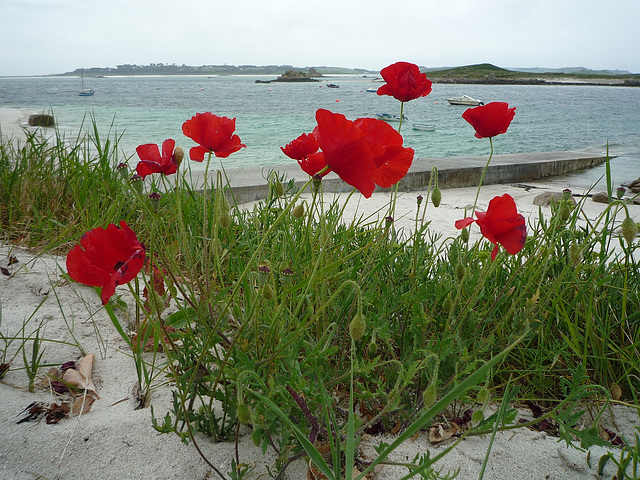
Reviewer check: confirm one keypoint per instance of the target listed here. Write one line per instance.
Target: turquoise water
(152, 109)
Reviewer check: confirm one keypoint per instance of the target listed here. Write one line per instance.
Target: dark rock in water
(41, 120)
(600, 197)
(635, 186)
(547, 198)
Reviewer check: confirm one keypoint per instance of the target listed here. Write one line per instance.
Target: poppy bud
(483, 396)
(298, 211)
(225, 219)
(616, 391)
(566, 194)
(629, 229)
(256, 436)
(136, 182)
(564, 212)
(373, 347)
(263, 274)
(154, 199)
(477, 416)
(419, 199)
(268, 293)
(243, 413)
(436, 196)
(575, 254)
(620, 191)
(460, 271)
(357, 326)
(464, 235)
(279, 189)
(429, 396)
(123, 170)
(447, 305)
(178, 155)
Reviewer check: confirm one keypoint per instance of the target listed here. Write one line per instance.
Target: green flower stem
(484, 171)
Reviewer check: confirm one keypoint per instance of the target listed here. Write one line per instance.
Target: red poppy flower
(391, 158)
(106, 258)
(501, 224)
(302, 146)
(213, 134)
(364, 153)
(152, 162)
(304, 149)
(346, 150)
(404, 82)
(491, 119)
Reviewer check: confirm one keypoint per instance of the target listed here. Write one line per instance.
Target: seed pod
(136, 181)
(629, 229)
(123, 170)
(263, 274)
(464, 235)
(154, 199)
(436, 196)
(357, 326)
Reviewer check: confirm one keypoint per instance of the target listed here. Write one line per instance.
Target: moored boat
(425, 127)
(390, 118)
(465, 100)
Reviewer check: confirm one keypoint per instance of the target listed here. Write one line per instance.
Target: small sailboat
(84, 92)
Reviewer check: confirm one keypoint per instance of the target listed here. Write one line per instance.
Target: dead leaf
(440, 432)
(80, 377)
(83, 404)
(56, 412)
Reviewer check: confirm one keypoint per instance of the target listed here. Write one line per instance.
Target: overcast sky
(55, 36)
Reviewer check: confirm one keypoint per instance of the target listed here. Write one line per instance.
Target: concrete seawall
(249, 184)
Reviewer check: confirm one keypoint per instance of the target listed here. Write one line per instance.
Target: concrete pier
(249, 184)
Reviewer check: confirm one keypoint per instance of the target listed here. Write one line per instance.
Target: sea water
(150, 109)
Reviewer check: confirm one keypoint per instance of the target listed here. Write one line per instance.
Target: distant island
(220, 70)
(296, 76)
(488, 74)
(484, 73)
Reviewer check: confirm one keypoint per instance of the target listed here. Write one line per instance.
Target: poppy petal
(465, 222)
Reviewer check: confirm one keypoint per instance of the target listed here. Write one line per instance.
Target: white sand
(115, 441)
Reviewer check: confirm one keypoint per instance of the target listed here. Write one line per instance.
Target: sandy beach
(116, 441)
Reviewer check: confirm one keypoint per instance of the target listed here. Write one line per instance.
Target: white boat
(372, 89)
(390, 118)
(84, 92)
(465, 100)
(425, 127)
